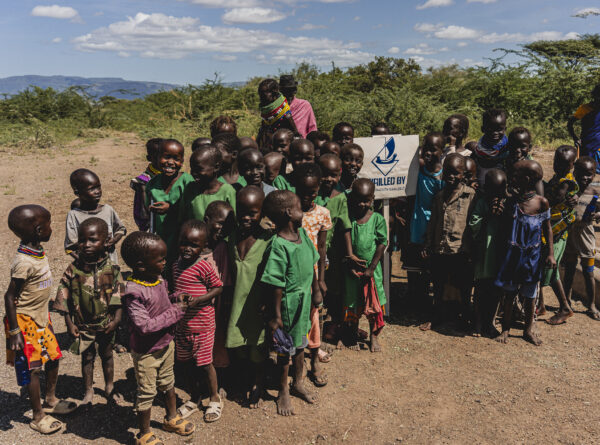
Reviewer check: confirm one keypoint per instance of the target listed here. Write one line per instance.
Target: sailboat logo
(386, 159)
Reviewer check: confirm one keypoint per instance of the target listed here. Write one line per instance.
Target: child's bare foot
(532, 338)
(560, 317)
(300, 391)
(255, 400)
(593, 313)
(113, 396)
(89, 395)
(541, 310)
(503, 337)
(340, 345)
(425, 326)
(375, 346)
(284, 403)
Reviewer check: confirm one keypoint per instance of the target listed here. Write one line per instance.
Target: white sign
(392, 163)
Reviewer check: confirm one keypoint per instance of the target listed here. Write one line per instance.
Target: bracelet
(14, 332)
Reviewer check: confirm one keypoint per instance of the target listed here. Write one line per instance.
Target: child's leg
(258, 389)
(51, 370)
(509, 301)
(284, 403)
(479, 307)
(298, 388)
(375, 346)
(87, 370)
(105, 350)
(439, 276)
(570, 267)
(587, 267)
(314, 344)
(529, 291)
(541, 304)
(565, 310)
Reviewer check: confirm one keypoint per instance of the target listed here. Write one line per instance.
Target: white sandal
(187, 409)
(214, 408)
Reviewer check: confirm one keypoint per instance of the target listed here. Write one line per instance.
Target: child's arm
(71, 235)
(143, 323)
(376, 258)
(276, 322)
(317, 296)
(119, 231)
(381, 239)
(322, 249)
(15, 341)
(72, 329)
(547, 232)
(206, 298)
(114, 323)
(354, 263)
(430, 230)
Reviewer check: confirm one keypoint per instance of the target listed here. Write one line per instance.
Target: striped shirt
(197, 280)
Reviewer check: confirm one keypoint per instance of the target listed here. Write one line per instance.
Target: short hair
(346, 149)
(329, 156)
(228, 141)
(199, 142)
(248, 142)
(276, 203)
(381, 125)
(296, 143)
(22, 218)
(287, 131)
(456, 157)
(99, 223)
(495, 173)
(583, 160)
(152, 146)
(135, 247)
(491, 114)
(195, 224)
(250, 190)
(564, 149)
(337, 127)
(317, 136)
(214, 207)
(219, 121)
(308, 169)
(463, 120)
(77, 177)
(214, 154)
(517, 131)
(360, 182)
(165, 142)
(243, 156)
(434, 134)
(270, 85)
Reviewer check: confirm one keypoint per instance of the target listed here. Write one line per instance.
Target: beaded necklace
(39, 254)
(144, 283)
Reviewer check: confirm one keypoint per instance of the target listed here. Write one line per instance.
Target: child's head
(247, 142)
(145, 253)
(564, 158)
(86, 185)
(362, 195)
(352, 157)
(192, 240)
(268, 91)
(31, 223)
(283, 207)
(282, 139)
(380, 129)
(471, 173)
(519, 144)
(454, 170)
(585, 170)
(307, 178)
(494, 124)
(318, 139)
(170, 157)
(431, 151)
(301, 152)
(152, 149)
(331, 167)
(248, 208)
(220, 220)
(251, 165)
(456, 129)
(495, 183)
(331, 147)
(91, 239)
(223, 124)
(525, 175)
(199, 142)
(205, 164)
(342, 133)
(274, 166)
(230, 146)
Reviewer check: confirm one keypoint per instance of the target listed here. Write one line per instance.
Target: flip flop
(214, 408)
(187, 409)
(325, 357)
(61, 408)
(44, 426)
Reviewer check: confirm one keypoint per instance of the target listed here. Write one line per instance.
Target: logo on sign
(385, 160)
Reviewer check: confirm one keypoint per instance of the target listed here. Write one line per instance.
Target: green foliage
(540, 88)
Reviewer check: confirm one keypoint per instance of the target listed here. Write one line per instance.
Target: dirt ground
(433, 387)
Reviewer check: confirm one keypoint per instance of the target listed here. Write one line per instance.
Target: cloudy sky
(187, 41)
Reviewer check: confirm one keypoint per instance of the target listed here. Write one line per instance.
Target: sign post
(392, 163)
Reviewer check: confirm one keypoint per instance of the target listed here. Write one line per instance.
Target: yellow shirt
(35, 293)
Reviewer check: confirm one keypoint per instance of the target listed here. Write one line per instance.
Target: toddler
(141, 215)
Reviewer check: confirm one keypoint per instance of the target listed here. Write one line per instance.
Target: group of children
(247, 255)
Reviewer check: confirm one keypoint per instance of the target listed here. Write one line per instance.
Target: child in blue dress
(527, 218)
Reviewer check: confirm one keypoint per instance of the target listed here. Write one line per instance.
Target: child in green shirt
(301, 152)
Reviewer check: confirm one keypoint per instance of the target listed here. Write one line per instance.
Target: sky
(188, 41)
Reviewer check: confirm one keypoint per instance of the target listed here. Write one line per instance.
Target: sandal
(187, 409)
(318, 381)
(44, 426)
(148, 439)
(177, 425)
(61, 408)
(214, 408)
(324, 357)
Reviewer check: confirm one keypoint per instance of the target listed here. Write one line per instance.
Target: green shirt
(291, 266)
(282, 183)
(241, 180)
(485, 228)
(246, 325)
(365, 239)
(194, 204)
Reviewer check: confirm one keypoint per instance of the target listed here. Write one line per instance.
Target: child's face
(495, 129)
(332, 172)
(307, 191)
(471, 173)
(432, 154)
(452, 130)
(191, 243)
(203, 169)
(254, 170)
(344, 135)
(302, 154)
(352, 162)
(272, 169)
(281, 142)
(362, 200)
(170, 159)
(453, 174)
(91, 243)
(584, 174)
(44, 228)
(295, 212)
(90, 190)
(563, 163)
(227, 157)
(519, 147)
(248, 213)
(331, 147)
(267, 96)
(495, 187)
(155, 259)
(220, 224)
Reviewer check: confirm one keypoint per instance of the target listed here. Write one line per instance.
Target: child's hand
(497, 206)
(317, 298)
(73, 330)
(160, 207)
(571, 201)
(368, 273)
(110, 244)
(275, 323)
(110, 327)
(355, 262)
(323, 287)
(16, 342)
(550, 262)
